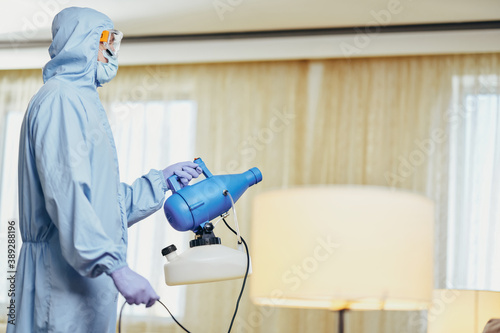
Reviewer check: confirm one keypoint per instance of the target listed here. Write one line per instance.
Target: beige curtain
(377, 121)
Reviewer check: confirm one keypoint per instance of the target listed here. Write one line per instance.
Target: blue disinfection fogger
(189, 208)
(192, 208)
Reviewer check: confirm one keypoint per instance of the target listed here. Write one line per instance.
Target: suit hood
(75, 43)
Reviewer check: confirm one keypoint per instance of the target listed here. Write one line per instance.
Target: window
(153, 135)
(474, 184)
(8, 191)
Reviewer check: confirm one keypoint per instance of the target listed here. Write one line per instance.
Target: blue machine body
(190, 207)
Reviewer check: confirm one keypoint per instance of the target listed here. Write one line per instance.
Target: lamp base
(341, 320)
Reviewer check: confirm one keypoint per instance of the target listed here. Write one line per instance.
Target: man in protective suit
(74, 212)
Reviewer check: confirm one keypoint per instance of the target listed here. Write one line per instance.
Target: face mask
(106, 71)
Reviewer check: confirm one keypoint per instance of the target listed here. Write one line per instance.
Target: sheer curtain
(474, 189)
(16, 89)
(391, 121)
(144, 133)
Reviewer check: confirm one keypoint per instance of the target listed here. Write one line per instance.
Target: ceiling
(27, 20)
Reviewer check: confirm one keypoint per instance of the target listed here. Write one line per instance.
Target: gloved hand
(134, 287)
(184, 170)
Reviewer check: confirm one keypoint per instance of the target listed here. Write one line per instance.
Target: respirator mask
(111, 40)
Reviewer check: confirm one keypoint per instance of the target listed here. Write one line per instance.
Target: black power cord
(244, 279)
(171, 315)
(237, 302)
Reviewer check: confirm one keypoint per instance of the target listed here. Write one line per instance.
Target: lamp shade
(462, 311)
(342, 247)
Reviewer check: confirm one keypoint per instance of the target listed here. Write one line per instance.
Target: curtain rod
(479, 25)
(456, 26)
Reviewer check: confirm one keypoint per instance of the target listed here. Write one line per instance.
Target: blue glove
(134, 287)
(184, 170)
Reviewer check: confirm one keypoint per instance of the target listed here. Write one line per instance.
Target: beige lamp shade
(342, 247)
(462, 311)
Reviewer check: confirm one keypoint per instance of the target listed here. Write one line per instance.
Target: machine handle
(175, 184)
(203, 167)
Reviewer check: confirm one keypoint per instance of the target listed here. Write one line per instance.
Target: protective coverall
(74, 211)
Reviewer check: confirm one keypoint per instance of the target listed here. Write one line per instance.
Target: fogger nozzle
(191, 207)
